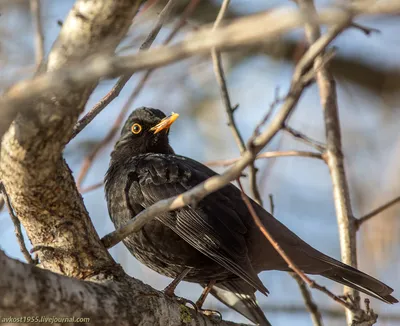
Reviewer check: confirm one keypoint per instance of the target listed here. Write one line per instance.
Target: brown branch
(287, 259)
(375, 212)
(267, 155)
(308, 300)
(257, 144)
(38, 27)
(17, 225)
(333, 154)
(163, 17)
(304, 138)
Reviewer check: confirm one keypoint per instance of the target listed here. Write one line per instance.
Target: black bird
(216, 241)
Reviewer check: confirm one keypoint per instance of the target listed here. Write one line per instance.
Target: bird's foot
(171, 293)
(214, 315)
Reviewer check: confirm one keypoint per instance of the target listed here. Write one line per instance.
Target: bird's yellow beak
(165, 123)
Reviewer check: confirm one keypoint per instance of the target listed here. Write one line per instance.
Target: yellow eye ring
(136, 128)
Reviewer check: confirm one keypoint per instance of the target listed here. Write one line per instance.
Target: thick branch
(38, 182)
(105, 300)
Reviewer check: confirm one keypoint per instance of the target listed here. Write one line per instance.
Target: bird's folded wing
(212, 227)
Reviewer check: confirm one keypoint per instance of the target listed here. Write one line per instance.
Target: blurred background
(367, 71)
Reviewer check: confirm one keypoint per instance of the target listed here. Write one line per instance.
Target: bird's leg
(203, 296)
(215, 315)
(170, 289)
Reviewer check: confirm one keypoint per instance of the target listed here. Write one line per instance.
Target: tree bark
(27, 290)
(38, 181)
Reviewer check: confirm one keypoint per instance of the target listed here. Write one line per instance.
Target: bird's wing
(213, 227)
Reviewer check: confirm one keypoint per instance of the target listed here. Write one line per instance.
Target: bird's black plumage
(218, 238)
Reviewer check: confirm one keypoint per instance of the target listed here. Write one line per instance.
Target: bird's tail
(357, 280)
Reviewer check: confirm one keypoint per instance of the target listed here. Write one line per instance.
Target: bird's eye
(136, 128)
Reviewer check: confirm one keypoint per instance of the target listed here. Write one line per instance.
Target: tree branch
(375, 212)
(38, 181)
(38, 26)
(106, 299)
(333, 154)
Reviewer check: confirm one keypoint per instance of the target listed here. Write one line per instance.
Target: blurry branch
(243, 31)
(305, 293)
(333, 153)
(358, 222)
(304, 138)
(38, 27)
(266, 155)
(308, 300)
(115, 91)
(88, 161)
(17, 225)
(258, 142)
(288, 260)
(220, 76)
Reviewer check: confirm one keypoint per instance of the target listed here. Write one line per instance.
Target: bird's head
(145, 131)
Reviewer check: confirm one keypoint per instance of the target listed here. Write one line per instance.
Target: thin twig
(17, 226)
(232, 161)
(88, 161)
(257, 144)
(38, 27)
(376, 211)
(287, 259)
(308, 300)
(220, 76)
(267, 155)
(271, 204)
(116, 90)
(333, 154)
(299, 135)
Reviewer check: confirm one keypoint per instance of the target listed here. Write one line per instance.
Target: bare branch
(376, 211)
(303, 137)
(38, 26)
(271, 154)
(17, 225)
(308, 300)
(333, 154)
(220, 76)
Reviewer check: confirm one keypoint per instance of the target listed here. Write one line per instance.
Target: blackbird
(214, 243)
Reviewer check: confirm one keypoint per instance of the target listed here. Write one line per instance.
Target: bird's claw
(180, 300)
(214, 315)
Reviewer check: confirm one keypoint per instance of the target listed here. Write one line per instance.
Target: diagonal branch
(17, 225)
(220, 76)
(376, 211)
(258, 143)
